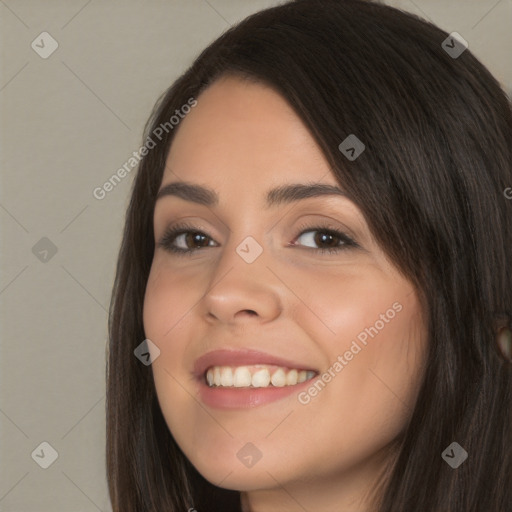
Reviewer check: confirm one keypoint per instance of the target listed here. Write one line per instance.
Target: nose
(241, 292)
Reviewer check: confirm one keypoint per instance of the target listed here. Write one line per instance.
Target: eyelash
(184, 228)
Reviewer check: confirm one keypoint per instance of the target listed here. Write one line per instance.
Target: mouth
(256, 376)
(237, 379)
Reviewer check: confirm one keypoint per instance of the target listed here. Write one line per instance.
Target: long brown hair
(430, 183)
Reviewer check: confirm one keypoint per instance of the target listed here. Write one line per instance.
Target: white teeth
(279, 378)
(226, 376)
(256, 376)
(261, 378)
(291, 378)
(242, 377)
(216, 376)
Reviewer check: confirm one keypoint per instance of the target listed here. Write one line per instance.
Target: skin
(241, 140)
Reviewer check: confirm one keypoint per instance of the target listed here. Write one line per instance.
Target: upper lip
(242, 357)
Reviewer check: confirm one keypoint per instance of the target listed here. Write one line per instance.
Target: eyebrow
(280, 195)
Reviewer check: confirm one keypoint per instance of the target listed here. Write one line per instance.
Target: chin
(232, 474)
(241, 479)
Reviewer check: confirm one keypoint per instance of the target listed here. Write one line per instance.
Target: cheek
(166, 316)
(382, 368)
(382, 339)
(347, 306)
(398, 361)
(377, 329)
(166, 303)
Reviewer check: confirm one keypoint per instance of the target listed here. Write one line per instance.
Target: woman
(315, 263)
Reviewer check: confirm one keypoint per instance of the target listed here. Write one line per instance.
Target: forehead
(244, 134)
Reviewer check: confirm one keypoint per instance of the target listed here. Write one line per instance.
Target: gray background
(68, 123)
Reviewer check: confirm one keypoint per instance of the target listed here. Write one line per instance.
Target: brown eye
(327, 239)
(183, 239)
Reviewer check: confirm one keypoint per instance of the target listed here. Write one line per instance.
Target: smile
(246, 378)
(256, 376)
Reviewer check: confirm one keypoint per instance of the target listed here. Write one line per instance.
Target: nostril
(249, 312)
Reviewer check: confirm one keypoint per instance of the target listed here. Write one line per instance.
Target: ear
(504, 337)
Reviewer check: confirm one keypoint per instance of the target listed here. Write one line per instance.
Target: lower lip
(243, 398)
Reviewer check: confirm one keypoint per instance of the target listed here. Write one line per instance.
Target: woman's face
(258, 299)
